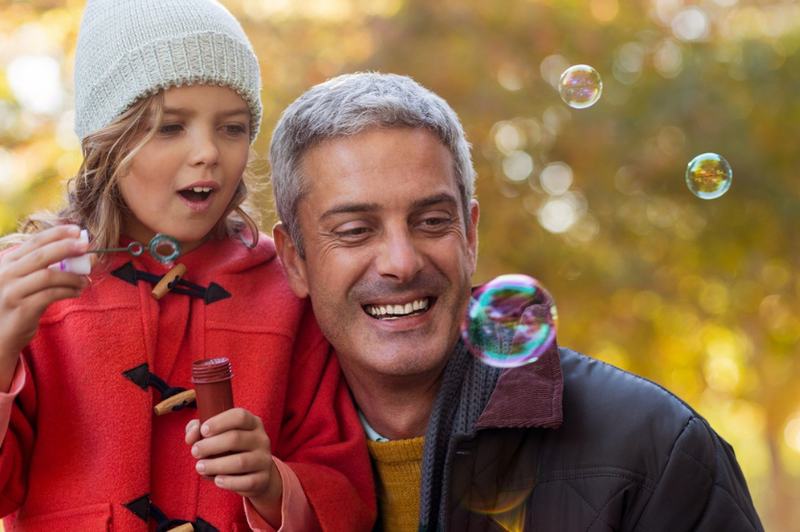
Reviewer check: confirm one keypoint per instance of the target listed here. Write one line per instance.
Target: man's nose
(399, 258)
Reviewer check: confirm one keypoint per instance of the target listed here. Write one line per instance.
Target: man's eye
(354, 234)
(435, 223)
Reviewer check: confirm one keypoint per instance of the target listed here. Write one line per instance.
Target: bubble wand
(82, 265)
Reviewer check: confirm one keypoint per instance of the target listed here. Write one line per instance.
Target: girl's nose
(204, 150)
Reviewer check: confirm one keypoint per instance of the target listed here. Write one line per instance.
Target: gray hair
(346, 106)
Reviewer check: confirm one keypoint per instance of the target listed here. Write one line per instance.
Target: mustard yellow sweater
(399, 467)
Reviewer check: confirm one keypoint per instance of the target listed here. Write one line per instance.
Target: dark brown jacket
(598, 449)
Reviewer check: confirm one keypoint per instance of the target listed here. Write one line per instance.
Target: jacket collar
(527, 396)
(226, 255)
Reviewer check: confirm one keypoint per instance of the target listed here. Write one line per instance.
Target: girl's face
(182, 180)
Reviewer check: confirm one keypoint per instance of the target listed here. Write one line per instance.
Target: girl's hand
(28, 287)
(235, 451)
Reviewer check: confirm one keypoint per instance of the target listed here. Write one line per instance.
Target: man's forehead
(433, 199)
(366, 171)
(371, 136)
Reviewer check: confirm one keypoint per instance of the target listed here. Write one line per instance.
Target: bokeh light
(552, 67)
(508, 137)
(556, 178)
(518, 165)
(668, 58)
(12, 172)
(691, 24)
(557, 215)
(36, 83)
(604, 10)
(792, 433)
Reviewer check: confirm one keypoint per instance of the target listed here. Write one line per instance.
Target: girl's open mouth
(196, 194)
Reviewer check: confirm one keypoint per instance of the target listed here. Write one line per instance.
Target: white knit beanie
(129, 49)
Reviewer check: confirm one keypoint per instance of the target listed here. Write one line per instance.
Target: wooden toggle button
(174, 275)
(185, 527)
(166, 406)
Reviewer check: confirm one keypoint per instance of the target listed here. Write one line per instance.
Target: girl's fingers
(61, 233)
(192, 432)
(244, 485)
(35, 255)
(39, 284)
(54, 252)
(236, 464)
(232, 441)
(233, 419)
(235, 449)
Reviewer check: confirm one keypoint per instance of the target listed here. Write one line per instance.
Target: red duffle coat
(83, 449)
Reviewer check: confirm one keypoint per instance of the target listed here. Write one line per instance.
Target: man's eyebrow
(350, 208)
(433, 200)
(374, 207)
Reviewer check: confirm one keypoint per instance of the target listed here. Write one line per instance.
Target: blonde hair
(93, 198)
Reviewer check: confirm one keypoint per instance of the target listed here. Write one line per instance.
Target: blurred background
(701, 296)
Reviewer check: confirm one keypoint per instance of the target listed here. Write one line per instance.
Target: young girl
(167, 106)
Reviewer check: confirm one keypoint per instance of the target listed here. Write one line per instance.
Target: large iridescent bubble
(709, 176)
(511, 321)
(580, 86)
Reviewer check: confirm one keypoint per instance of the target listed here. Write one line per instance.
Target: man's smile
(395, 311)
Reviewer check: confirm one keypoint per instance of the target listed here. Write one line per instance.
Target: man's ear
(472, 234)
(293, 264)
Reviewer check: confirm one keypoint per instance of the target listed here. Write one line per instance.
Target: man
(373, 183)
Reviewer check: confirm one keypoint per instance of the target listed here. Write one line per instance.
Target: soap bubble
(511, 321)
(709, 176)
(580, 86)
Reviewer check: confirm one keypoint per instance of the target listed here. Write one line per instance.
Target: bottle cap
(210, 370)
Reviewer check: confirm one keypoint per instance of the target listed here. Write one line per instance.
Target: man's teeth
(200, 189)
(397, 310)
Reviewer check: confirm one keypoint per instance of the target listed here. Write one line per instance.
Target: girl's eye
(167, 129)
(235, 129)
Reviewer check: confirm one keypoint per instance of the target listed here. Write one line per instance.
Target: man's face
(389, 257)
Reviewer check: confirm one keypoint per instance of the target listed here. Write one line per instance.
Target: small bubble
(708, 176)
(511, 321)
(580, 86)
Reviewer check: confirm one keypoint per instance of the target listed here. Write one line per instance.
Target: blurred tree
(701, 296)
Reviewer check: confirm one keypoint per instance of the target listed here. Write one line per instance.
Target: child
(167, 106)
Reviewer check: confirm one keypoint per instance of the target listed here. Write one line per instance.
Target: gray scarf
(463, 393)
